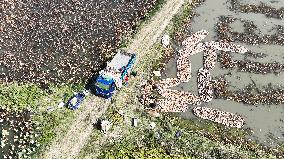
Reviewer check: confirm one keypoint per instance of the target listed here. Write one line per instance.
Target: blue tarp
(79, 97)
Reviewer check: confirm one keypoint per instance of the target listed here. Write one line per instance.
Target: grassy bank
(171, 140)
(43, 104)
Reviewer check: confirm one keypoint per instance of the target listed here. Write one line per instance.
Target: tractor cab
(105, 86)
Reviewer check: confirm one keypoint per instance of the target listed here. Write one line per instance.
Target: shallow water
(266, 121)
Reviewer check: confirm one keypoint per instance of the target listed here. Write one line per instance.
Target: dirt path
(69, 145)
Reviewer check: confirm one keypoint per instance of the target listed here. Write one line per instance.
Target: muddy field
(17, 134)
(46, 42)
(64, 41)
(255, 89)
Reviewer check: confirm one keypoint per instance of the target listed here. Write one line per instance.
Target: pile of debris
(222, 117)
(175, 100)
(262, 8)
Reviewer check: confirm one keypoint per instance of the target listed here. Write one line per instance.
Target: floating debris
(249, 36)
(215, 115)
(269, 95)
(262, 8)
(177, 101)
(249, 66)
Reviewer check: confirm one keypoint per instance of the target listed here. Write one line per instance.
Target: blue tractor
(115, 74)
(109, 80)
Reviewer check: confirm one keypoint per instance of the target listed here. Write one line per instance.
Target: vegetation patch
(19, 97)
(171, 140)
(23, 99)
(129, 149)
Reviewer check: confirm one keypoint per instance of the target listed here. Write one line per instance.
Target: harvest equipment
(115, 74)
(110, 79)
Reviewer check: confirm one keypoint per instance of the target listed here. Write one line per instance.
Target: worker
(126, 80)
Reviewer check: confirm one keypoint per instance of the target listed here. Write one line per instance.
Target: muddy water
(266, 121)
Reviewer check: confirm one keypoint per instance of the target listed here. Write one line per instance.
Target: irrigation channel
(44, 42)
(255, 79)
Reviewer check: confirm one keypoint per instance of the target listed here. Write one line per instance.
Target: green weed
(19, 97)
